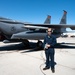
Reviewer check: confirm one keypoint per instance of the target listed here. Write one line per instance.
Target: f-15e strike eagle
(14, 31)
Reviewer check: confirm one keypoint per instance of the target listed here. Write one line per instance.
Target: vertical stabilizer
(63, 19)
(48, 20)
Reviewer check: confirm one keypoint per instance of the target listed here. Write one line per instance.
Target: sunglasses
(49, 31)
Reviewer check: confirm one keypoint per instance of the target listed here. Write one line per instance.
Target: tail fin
(48, 20)
(63, 19)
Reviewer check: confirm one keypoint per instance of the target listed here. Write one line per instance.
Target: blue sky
(35, 11)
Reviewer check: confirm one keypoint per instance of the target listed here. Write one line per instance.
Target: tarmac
(15, 59)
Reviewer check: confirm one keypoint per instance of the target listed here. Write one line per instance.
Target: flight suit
(51, 40)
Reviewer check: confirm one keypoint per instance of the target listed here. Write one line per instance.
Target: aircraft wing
(45, 26)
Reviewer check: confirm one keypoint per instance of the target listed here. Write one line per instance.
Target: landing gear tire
(26, 43)
(40, 44)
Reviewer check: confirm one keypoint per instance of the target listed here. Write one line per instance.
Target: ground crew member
(49, 43)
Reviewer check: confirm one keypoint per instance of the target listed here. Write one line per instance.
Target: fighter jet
(9, 27)
(19, 31)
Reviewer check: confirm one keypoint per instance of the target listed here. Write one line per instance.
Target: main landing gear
(39, 44)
